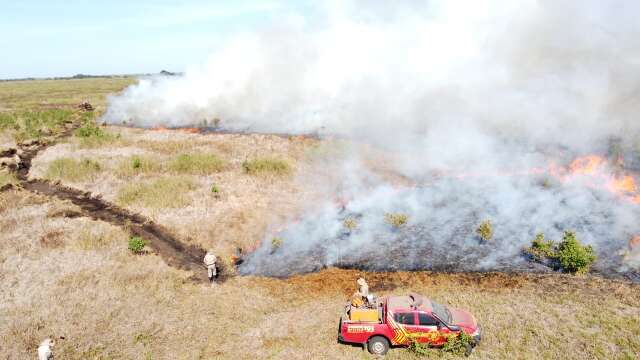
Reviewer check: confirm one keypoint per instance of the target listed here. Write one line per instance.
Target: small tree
(541, 249)
(485, 230)
(573, 256)
(137, 244)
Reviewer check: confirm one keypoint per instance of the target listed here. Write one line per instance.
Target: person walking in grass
(210, 262)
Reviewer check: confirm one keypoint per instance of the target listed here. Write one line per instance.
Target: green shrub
(420, 348)
(68, 169)
(200, 164)
(214, 189)
(573, 256)
(569, 255)
(485, 230)
(266, 166)
(161, 193)
(396, 219)
(137, 244)
(541, 248)
(459, 345)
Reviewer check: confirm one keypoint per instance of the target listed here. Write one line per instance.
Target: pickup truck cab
(399, 320)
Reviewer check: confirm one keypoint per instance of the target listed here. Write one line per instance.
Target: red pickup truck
(397, 320)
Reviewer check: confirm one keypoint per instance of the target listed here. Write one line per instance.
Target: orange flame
(587, 165)
(598, 169)
(595, 170)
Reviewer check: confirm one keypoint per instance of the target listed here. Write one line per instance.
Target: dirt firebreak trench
(168, 247)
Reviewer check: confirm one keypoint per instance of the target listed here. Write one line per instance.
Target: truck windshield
(442, 312)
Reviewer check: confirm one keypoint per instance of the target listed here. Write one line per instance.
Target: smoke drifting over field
(484, 106)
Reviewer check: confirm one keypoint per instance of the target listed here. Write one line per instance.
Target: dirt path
(173, 251)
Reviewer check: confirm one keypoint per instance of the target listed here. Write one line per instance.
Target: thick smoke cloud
(460, 93)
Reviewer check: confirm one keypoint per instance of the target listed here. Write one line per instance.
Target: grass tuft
(136, 165)
(68, 169)
(92, 238)
(167, 192)
(91, 135)
(198, 164)
(266, 166)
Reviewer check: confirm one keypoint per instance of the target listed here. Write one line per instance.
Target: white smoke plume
(456, 90)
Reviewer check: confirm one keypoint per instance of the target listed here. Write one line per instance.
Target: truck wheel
(378, 345)
(468, 349)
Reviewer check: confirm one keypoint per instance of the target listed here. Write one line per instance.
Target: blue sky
(60, 38)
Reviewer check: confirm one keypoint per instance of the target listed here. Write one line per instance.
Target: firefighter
(210, 262)
(360, 297)
(363, 288)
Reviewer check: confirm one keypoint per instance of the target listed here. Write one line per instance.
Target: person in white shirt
(45, 350)
(210, 262)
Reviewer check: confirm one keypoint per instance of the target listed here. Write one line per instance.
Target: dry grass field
(63, 274)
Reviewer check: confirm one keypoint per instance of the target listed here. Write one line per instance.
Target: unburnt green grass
(92, 136)
(183, 164)
(68, 169)
(47, 94)
(266, 165)
(198, 164)
(168, 192)
(7, 178)
(24, 125)
(137, 165)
